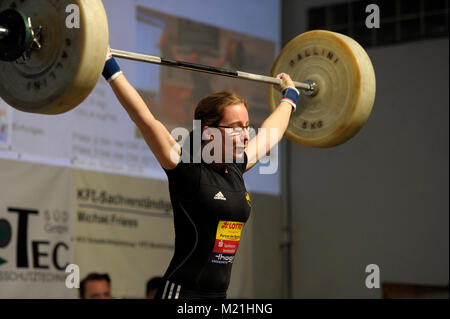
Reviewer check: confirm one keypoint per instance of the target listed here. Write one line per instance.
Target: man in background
(95, 286)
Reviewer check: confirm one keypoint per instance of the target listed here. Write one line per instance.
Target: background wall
(382, 197)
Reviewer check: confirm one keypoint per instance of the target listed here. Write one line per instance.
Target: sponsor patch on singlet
(227, 241)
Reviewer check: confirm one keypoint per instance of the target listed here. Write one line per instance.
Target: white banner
(123, 227)
(36, 229)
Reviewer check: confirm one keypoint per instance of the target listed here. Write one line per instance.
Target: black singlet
(210, 209)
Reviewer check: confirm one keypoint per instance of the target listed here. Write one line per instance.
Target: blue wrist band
(291, 96)
(111, 69)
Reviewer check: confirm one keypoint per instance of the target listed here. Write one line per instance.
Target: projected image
(172, 94)
(99, 135)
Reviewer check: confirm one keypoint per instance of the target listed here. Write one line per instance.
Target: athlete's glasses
(236, 130)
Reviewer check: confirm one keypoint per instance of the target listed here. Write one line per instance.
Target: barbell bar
(308, 88)
(332, 70)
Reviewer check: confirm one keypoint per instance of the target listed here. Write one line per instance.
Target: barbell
(49, 68)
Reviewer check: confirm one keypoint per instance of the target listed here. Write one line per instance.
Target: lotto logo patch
(227, 242)
(229, 230)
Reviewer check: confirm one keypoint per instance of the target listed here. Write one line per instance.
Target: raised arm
(166, 149)
(275, 125)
